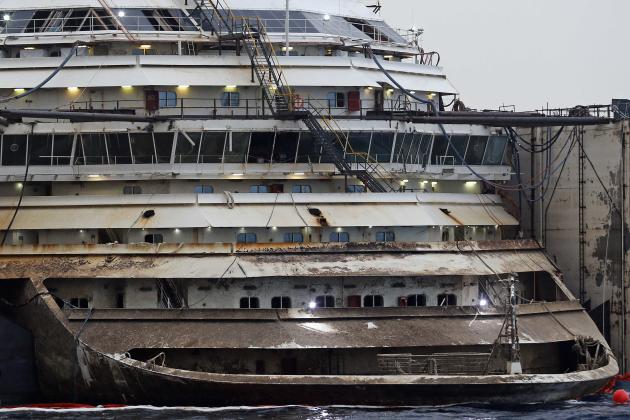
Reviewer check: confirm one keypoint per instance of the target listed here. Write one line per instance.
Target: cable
(71, 54)
(433, 110)
(24, 184)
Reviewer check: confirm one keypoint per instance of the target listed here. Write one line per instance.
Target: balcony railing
(220, 108)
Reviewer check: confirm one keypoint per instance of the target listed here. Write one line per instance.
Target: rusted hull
(71, 369)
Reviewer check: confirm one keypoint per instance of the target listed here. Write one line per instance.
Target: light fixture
(93, 176)
(121, 13)
(431, 95)
(145, 47)
(274, 228)
(231, 87)
(6, 17)
(177, 231)
(471, 183)
(183, 87)
(238, 174)
(327, 17)
(483, 302)
(19, 90)
(73, 89)
(19, 185)
(370, 88)
(29, 48)
(312, 305)
(405, 181)
(388, 57)
(285, 49)
(413, 92)
(299, 174)
(127, 87)
(80, 230)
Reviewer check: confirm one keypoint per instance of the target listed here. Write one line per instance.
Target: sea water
(591, 408)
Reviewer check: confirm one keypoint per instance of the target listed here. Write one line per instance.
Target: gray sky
(528, 52)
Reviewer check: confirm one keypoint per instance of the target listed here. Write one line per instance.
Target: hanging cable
(432, 109)
(24, 183)
(71, 54)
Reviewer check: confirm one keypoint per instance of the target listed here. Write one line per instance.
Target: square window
(154, 238)
(259, 189)
(168, 99)
(340, 237)
(249, 303)
(326, 301)
(385, 237)
(132, 190)
(355, 188)
(281, 302)
(373, 301)
(303, 189)
(293, 237)
(231, 99)
(246, 238)
(204, 189)
(416, 300)
(447, 300)
(336, 99)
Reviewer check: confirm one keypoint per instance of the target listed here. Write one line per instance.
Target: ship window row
(150, 20)
(311, 23)
(249, 147)
(285, 235)
(93, 19)
(352, 301)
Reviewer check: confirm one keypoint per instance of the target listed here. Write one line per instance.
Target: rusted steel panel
(113, 336)
(274, 265)
(296, 248)
(78, 214)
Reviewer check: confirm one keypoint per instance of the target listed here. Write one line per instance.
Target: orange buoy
(621, 397)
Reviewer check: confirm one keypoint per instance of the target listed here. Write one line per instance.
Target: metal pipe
(286, 28)
(74, 116)
(509, 121)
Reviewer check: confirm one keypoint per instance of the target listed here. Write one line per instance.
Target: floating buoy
(621, 397)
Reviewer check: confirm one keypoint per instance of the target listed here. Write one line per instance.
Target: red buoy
(621, 397)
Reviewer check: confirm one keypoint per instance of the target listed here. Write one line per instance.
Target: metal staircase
(250, 33)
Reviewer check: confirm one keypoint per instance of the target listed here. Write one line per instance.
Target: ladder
(117, 21)
(250, 32)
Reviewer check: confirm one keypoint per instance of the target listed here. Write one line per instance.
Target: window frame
(250, 300)
(169, 100)
(388, 236)
(284, 302)
(329, 301)
(248, 236)
(290, 237)
(339, 237)
(374, 301)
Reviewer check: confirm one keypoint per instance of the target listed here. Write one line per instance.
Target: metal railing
(94, 24)
(243, 108)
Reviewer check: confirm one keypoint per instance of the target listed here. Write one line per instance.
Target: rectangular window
(249, 303)
(355, 188)
(385, 237)
(340, 237)
(416, 300)
(326, 301)
(259, 189)
(336, 99)
(281, 302)
(293, 237)
(154, 238)
(168, 99)
(78, 303)
(304, 189)
(447, 300)
(231, 99)
(373, 301)
(132, 190)
(204, 189)
(246, 238)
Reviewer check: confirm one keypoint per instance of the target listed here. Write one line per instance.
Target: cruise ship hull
(73, 363)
